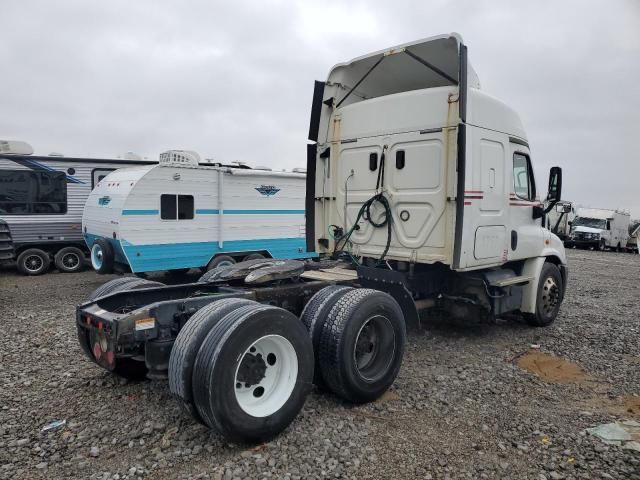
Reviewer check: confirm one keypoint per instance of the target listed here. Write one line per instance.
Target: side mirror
(555, 185)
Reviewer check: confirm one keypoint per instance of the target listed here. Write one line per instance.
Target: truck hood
(587, 230)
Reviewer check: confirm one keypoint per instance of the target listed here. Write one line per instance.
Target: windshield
(590, 222)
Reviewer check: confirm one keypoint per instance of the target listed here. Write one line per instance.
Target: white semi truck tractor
(420, 198)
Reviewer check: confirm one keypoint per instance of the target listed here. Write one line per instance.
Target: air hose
(365, 211)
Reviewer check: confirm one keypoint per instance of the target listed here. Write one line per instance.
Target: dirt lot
(470, 402)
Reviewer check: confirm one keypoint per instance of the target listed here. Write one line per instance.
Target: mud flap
(395, 284)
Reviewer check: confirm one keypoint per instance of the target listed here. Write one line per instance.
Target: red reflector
(99, 324)
(114, 235)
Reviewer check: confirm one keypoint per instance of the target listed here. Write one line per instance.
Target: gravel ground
(462, 407)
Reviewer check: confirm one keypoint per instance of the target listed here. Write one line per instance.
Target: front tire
(548, 298)
(220, 261)
(253, 373)
(33, 261)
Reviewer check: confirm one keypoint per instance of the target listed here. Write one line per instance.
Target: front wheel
(602, 245)
(548, 298)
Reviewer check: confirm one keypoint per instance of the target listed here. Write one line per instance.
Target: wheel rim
(70, 260)
(374, 348)
(33, 263)
(96, 256)
(225, 263)
(266, 376)
(550, 296)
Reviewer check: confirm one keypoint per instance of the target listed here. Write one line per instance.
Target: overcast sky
(233, 80)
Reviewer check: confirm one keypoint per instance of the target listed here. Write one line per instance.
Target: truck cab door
(525, 232)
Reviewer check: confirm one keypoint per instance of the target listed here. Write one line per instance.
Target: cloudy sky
(233, 80)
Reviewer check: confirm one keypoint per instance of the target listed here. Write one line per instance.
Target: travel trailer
(600, 229)
(420, 195)
(179, 214)
(41, 202)
(560, 218)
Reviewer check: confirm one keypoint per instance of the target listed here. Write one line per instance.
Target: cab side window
(523, 183)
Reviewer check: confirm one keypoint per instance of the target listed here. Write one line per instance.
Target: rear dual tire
(253, 372)
(361, 345)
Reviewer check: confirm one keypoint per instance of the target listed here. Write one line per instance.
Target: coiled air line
(365, 212)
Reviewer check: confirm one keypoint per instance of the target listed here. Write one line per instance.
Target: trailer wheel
(69, 260)
(102, 256)
(362, 345)
(253, 373)
(313, 316)
(33, 261)
(548, 298)
(253, 256)
(187, 344)
(220, 261)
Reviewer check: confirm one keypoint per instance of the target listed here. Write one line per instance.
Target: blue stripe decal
(168, 256)
(46, 167)
(264, 212)
(207, 211)
(140, 212)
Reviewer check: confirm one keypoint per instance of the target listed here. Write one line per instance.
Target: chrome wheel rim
(70, 260)
(550, 296)
(33, 263)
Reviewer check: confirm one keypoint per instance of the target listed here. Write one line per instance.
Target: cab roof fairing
(398, 71)
(421, 64)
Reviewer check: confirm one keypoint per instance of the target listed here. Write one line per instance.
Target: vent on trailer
(180, 157)
(14, 147)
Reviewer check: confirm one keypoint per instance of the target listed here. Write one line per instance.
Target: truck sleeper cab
(420, 197)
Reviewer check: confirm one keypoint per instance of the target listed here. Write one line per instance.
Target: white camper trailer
(178, 215)
(41, 202)
(600, 228)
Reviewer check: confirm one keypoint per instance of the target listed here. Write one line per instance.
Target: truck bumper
(582, 243)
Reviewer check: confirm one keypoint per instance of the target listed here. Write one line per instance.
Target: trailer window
(176, 207)
(523, 183)
(25, 192)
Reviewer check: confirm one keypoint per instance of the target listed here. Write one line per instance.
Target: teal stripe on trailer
(207, 211)
(140, 212)
(169, 256)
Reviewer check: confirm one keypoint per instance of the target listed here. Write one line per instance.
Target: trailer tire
(314, 315)
(362, 345)
(102, 256)
(237, 392)
(253, 256)
(69, 260)
(219, 261)
(33, 261)
(187, 344)
(548, 298)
